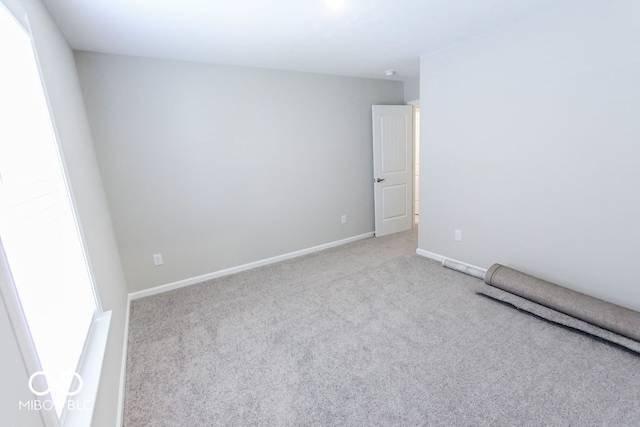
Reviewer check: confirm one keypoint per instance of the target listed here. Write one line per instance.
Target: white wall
(217, 166)
(530, 147)
(412, 90)
(60, 75)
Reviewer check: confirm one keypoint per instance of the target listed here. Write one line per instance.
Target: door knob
(380, 179)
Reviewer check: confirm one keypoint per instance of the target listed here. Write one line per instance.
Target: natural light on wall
(336, 5)
(37, 224)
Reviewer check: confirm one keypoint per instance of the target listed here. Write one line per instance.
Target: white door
(393, 168)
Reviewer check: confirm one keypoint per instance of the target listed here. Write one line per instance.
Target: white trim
(216, 274)
(90, 370)
(442, 259)
(15, 8)
(123, 366)
(415, 103)
(21, 332)
(430, 255)
(90, 363)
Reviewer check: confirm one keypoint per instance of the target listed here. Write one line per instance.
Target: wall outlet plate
(157, 259)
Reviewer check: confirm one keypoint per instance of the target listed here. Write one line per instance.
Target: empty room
(319, 213)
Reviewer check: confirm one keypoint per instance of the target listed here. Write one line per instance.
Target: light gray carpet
(367, 334)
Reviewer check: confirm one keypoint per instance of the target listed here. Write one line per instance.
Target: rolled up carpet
(558, 318)
(611, 317)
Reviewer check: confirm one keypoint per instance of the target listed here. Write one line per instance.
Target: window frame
(91, 360)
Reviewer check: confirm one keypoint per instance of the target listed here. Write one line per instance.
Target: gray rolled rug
(602, 314)
(561, 319)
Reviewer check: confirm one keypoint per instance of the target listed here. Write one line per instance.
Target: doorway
(396, 167)
(393, 168)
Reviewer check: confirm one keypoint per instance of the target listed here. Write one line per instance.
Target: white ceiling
(347, 37)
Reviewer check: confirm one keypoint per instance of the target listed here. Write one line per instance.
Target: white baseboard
(216, 274)
(430, 255)
(442, 258)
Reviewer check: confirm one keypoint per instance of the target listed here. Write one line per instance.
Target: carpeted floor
(367, 334)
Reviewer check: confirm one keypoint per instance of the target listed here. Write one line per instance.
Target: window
(40, 242)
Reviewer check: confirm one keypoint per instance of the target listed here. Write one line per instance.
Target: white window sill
(79, 409)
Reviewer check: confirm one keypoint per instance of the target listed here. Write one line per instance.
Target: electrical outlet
(344, 219)
(157, 259)
(458, 236)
